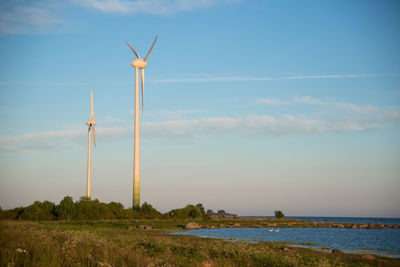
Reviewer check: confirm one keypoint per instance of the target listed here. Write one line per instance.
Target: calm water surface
(339, 219)
(373, 241)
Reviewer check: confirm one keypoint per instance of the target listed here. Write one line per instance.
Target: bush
(87, 209)
(38, 211)
(190, 211)
(11, 214)
(66, 210)
(279, 214)
(148, 211)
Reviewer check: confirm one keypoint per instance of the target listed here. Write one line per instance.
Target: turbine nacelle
(139, 63)
(91, 123)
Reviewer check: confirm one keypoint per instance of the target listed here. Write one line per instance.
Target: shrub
(190, 211)
(38, 211)
(66, 210)
(148, 211)
(279, 214)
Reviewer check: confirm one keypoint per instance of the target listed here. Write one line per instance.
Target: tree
(190, 211)
(148, 209)
(67, 209)
(201, 208)
(32, 212)
(47, 208)
(11, 214)
(87, 209)
(117, 209)
(279, 214)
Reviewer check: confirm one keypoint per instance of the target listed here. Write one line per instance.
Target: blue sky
(250, 106)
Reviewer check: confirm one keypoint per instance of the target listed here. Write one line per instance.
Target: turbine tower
(91, 123)
(138, 63)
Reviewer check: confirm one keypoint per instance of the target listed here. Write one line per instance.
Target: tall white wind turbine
(141, 64)
(91, 123)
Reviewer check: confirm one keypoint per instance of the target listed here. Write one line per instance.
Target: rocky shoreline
(194, 225)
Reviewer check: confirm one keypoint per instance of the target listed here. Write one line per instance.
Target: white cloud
(36, 142)
(347, 118)
(155, 7)
(268, 78)
(27, 16)
(327, 104)
(264, 125)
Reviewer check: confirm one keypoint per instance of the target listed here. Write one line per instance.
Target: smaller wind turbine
(91, 123)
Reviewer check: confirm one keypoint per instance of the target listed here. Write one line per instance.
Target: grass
(111, 243)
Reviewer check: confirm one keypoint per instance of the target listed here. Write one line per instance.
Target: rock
(337, 251)
(144, 227)
(221, 226)
(396, 226)
(363, 226)
(368, 257)
(314, 223)
(20, 250)
(212, 227)
(102, 264)
(340, 226)
(235, 225)
(379, 225)
(207, 264)
(192, 225)
(354, 226)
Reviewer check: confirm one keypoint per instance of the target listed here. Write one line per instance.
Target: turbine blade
(94, 137)
(133, 49)
(142, 90)
(91, 111)
(148, 53)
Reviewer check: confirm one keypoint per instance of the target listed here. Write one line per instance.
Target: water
(372, 241)
(362, 220)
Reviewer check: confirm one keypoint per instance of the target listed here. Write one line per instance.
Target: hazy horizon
(249, 106)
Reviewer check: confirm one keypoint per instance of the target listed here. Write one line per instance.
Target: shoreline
(292, 244)
(127, 243)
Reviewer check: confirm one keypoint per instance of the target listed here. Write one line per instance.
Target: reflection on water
(374, 241)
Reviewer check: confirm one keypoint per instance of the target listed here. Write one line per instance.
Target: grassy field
(119, 243)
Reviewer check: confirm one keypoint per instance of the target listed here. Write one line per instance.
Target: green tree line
(86, 209)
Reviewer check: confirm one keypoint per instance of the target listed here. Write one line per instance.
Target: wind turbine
(91, 123)
(141, 64)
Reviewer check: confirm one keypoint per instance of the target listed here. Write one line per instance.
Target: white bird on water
(277, 230)
(271, 230)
